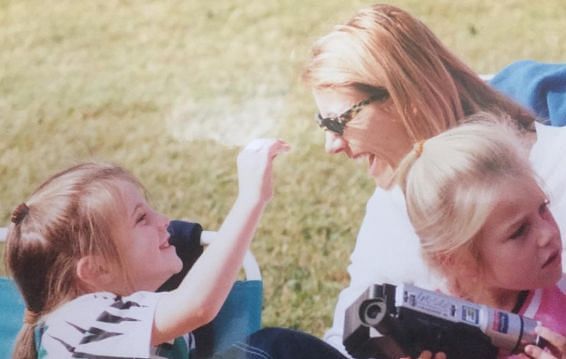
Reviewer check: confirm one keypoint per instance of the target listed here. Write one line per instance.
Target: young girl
(88, 252)
(483, 223)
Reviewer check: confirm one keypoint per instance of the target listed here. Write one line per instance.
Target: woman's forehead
(335, 101)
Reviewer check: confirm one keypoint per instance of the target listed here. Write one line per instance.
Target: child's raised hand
(557, 345)
(255, 167)
(428, 355)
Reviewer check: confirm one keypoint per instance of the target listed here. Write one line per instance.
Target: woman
(383, 82)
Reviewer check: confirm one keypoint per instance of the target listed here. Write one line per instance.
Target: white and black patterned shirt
(105, 325)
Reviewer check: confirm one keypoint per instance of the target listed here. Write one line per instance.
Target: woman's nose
(334, 143)
(548, 234)
(163, 221)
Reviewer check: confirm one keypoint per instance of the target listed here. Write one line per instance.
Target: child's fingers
(538, 353)
(428, 355)
(523, 356)
(279, 146)
(553, 338)
(557, 345)
(272, 146)
(258, 144)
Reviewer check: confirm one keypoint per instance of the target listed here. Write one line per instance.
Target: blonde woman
(382, 82)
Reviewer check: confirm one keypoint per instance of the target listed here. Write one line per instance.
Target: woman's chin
(383, 175)
(178, 265)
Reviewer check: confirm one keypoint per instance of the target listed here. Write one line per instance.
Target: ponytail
(25, 343)
(406, 164)
(71, 215)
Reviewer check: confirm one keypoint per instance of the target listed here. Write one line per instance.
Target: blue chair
(239, 316)
(12, 311)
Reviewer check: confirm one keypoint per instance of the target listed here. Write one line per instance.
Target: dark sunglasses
(337, 123)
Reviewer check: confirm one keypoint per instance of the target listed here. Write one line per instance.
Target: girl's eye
(519, 232)
(140, 218)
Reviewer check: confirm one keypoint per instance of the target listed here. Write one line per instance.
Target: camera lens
(372, 312)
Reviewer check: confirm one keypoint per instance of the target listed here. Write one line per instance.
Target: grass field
(170, 89)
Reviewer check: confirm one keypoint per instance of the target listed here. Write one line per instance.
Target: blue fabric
(538, 86)
(240, 314)
(185, 236)
(11, 314)
(280, 343)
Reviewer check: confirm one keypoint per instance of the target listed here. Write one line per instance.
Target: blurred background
(170, 89)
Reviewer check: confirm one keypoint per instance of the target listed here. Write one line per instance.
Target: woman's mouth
(165, 244)
(371, 159)
(552, 259)
(372, 165)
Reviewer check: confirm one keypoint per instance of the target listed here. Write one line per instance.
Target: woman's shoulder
(547, 132)
(386, 209)
(550, 143)
(387, 198)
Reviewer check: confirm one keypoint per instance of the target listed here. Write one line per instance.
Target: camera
(390, 322)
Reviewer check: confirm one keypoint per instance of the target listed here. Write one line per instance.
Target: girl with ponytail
(484, 225)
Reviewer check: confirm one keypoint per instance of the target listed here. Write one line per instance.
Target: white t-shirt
(105, 325)
(387, 248)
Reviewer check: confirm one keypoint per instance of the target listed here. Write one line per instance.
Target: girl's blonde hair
(451, 183)
(73, 214)
(385, 47)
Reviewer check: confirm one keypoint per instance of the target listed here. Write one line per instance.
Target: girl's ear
(445, 262)
(462, 274)
(92, 271)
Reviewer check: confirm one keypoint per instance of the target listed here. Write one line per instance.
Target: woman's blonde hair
(451, 183)
(73, 214)
(385, 47)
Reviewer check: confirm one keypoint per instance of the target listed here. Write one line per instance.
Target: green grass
(170, 88)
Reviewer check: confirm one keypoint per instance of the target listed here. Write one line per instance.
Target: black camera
(390, 322)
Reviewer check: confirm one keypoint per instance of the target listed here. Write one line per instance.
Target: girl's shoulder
(95, 322)
(548, 306)
(91, 301)
(561, 285)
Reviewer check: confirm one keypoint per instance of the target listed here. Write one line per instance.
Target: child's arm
(202, 292)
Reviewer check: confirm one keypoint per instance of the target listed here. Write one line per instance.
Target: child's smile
(149, 256)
